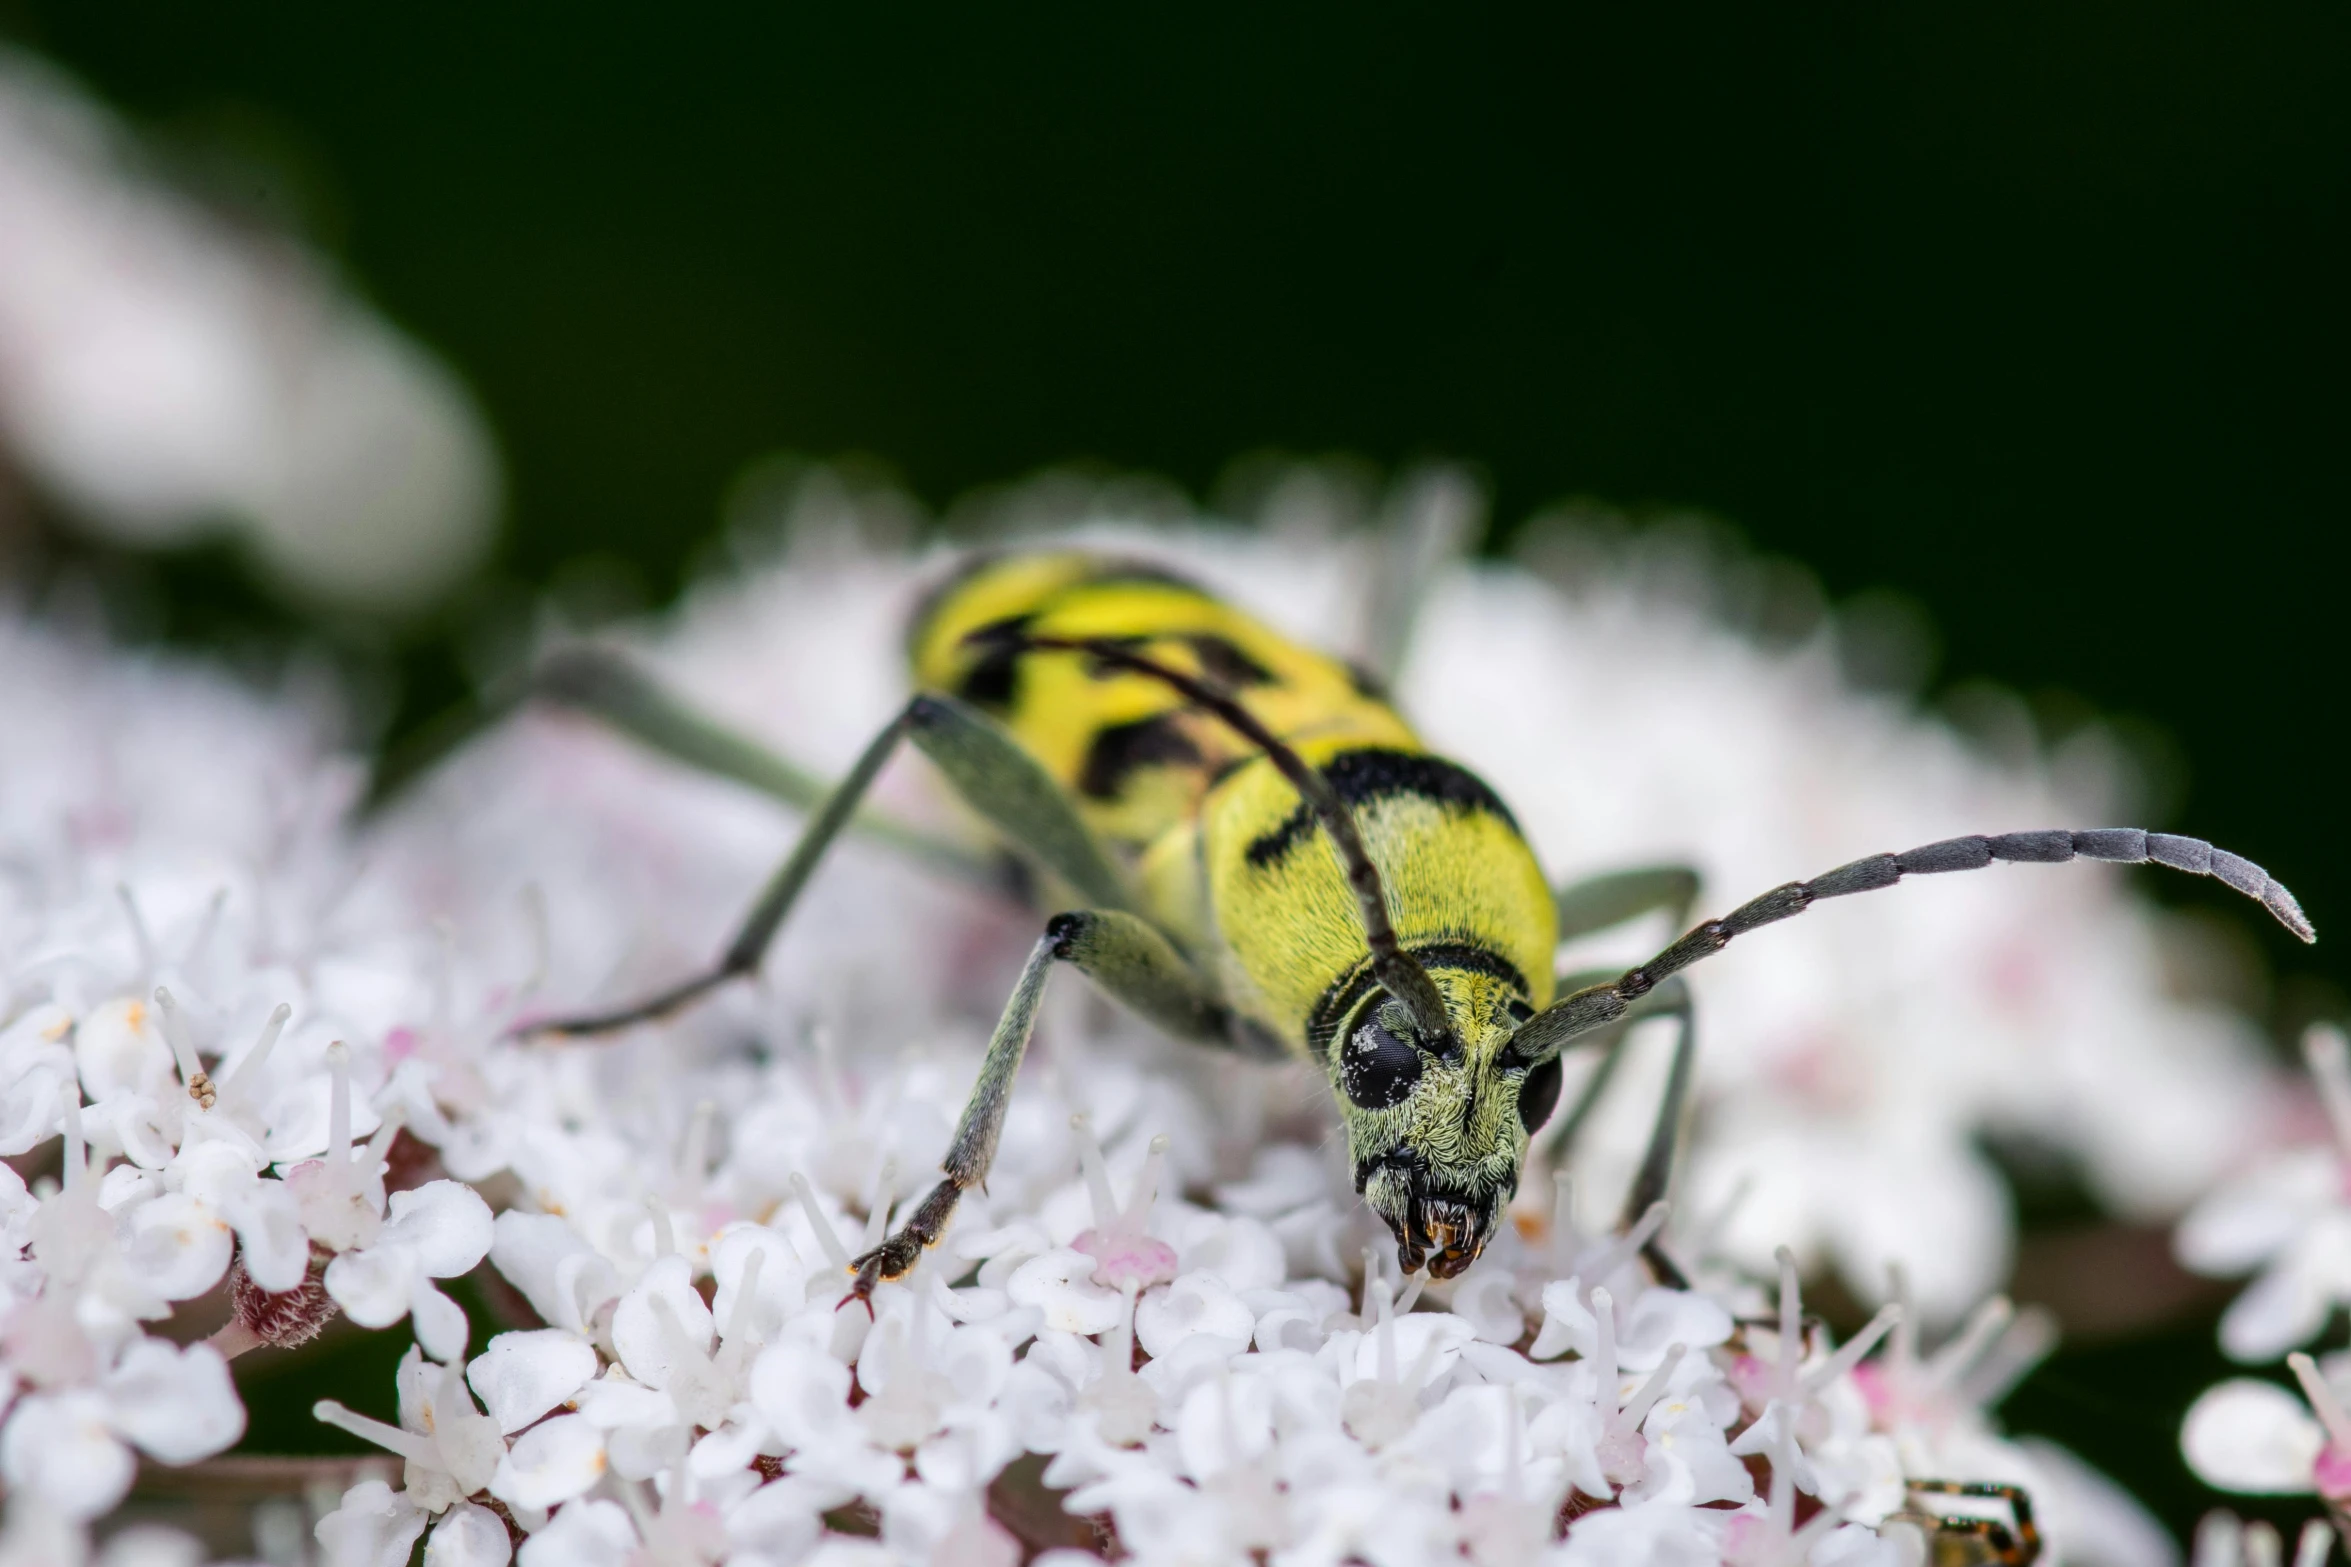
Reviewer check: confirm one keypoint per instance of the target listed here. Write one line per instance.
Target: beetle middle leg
(1137, 967)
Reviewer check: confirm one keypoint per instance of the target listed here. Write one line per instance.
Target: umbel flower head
(1156, 1330)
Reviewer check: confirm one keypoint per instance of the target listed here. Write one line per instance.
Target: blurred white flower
(163, 371)
(2288, 1216)
(71, 1446)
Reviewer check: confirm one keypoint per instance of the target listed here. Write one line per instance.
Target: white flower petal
(375, 1526)
(1059, 1284)
(802, 1393)
(62, 1449)
(2252, 1437)
(268, 1222)
(2250, 1218)
(1193, 1305)
(176, 1246)
(468, 1536)
(445, 1222)
(177, 1404)
(550, 1463)
(120, 1049)
(522, 1375)
(440, 1324)
(584, 1534)
(374, 1285)
(2286, 1306)
(662, 1323)
(553, 1265)
(152, 1545)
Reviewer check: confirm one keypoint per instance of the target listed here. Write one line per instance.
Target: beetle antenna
(1397, 970)
(1597, 1005)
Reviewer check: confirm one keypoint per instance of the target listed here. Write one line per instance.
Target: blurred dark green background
(2034, 312)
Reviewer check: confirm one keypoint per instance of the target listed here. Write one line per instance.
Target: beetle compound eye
(1538, 1096)
(1377, 1069)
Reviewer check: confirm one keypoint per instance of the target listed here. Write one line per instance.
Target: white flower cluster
(256, 1065)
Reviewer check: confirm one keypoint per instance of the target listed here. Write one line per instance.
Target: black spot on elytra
(1222, 661)
(993, 680)
(1120, 750)
(1373, 774)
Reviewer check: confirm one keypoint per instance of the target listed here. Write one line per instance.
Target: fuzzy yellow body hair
(1225, 850)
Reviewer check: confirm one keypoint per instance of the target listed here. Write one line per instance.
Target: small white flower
(437, 1231)
(451, 1448)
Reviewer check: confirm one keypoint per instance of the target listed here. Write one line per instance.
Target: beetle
(1249, 847)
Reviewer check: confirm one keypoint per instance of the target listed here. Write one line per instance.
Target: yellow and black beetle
(1263, 857)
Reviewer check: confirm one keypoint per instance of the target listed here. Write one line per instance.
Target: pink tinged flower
(375, 1526)
(523, 1375)
(1123, 1250)
(469, 1536)
(451, 1447)
(550, 1464)
(437, 1231)
(1930, 1396)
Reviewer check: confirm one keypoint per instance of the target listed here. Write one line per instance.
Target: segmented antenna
(1397, 970)
(1600, 1004)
